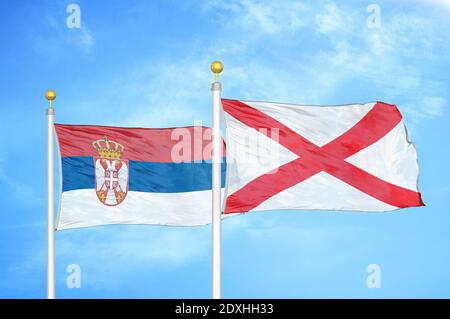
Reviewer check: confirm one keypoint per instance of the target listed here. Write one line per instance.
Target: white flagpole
(216, 68)
(50, 95)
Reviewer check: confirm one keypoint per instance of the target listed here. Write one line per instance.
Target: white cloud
(262, 17)
(59, 38)
(425, 108)
(389, 59)
(169, 93)
(434, 106)
(443, 3)
(84, 39)
(332, 20)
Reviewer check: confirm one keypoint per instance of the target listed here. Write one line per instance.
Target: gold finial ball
(216, 67)
(50, 95)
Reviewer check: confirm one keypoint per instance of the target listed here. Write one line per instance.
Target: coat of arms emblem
(111, 172)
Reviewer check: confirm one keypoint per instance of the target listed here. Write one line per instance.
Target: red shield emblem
(111, 173)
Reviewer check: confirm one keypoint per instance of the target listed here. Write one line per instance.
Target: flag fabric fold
(349, 157)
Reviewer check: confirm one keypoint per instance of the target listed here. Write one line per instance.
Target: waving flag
(116, 175)
(351, 157)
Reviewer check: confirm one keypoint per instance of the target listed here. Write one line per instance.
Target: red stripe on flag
(379, 121)
(140, 144)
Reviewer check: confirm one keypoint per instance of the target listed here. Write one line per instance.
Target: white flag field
(354, 157)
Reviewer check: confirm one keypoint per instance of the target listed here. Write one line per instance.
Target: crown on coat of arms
(108, 149)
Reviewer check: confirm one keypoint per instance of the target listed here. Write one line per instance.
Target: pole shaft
(216, 194)
(50, 207)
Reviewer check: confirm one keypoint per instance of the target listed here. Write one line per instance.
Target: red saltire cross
(329, 158)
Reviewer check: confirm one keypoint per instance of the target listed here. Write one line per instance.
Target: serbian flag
(352, 157)
(117, 175)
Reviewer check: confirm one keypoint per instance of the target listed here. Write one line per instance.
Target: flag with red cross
(352, 157)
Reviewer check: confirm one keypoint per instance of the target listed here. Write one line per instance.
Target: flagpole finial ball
(50, 95)
(216, 67)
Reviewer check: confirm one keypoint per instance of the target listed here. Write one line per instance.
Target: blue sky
(146, 63)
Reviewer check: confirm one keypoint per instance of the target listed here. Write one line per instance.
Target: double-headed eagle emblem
(111, 172)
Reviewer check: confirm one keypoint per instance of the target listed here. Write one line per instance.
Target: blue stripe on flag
(78, 172)
(155, 177)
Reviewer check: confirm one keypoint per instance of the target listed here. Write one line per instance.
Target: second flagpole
(216, 88)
